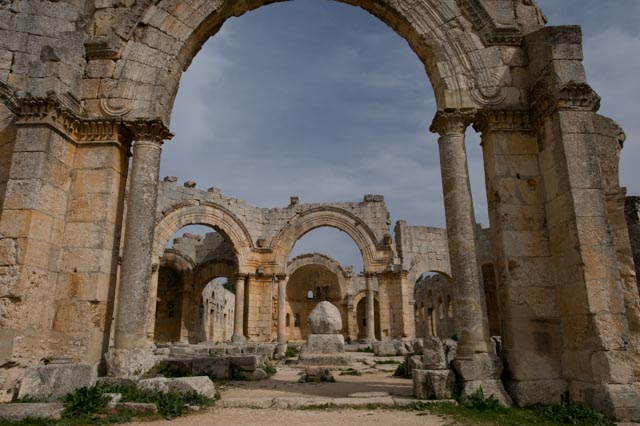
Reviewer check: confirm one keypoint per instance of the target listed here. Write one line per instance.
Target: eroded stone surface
(325, 319)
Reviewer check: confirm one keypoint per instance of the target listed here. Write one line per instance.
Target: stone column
(475, 361)
(238, 323)
(282, 312)
(133, 297)
(371, 322)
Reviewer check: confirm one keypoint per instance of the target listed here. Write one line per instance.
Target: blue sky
(322, 100)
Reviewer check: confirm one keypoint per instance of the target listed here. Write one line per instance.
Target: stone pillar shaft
(371, 323)
(282, 312)
(133, 298)
(238, 322)
(458, 206)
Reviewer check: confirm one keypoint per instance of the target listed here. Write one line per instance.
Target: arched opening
(434, 317)
(194, 300)
(361, 315)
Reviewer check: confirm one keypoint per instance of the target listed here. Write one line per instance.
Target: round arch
(210, 270)
(323, 261)
(215, 217)
(337, 218)
(462, 69)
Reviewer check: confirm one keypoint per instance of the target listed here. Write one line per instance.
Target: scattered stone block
(53, 381)
(214, 367)
(316, 375)
(17, 412)
(384, 348)
(433, 384)
(418, 346)
(434, 357)
(413, 362)
(140, 407)
(199, 384)
(156, 384)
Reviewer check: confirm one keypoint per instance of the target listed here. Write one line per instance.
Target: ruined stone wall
(434, 309)
(219, 308)
(632, 213)
(264, 225)
(168, 306)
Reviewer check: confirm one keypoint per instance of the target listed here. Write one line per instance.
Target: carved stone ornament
(486, 89)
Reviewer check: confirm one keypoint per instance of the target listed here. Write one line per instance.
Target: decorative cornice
(571, 97)
(149, 130)
(491, 33)
(503, 121)
(452, 122)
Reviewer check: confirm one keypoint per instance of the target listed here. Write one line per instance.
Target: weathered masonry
(84, 85)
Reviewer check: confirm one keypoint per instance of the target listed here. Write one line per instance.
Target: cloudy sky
(321, 100)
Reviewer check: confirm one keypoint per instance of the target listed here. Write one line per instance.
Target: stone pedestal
(129, 363)
(325, 346)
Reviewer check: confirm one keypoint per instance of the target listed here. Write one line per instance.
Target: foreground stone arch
(80, 96)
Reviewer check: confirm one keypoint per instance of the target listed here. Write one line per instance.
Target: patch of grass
(170, 404)
(401, 371)
(84, 401)
(270, 369)
(366, 349)
(350, 372)
(387, 361)
(291, 352)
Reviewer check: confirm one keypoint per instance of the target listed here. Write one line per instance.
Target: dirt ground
(279, 401)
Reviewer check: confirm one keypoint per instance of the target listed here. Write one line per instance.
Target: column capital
(452, 122)
(241, 276)
(149, 131)
(369, 275)
(282, 277)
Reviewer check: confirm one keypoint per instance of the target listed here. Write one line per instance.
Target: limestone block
(129, 363)
(215, 367)
(21, 411)
(547, 392)
(140, 407)
(325, 319)
(434, 357)
(324, 344)
(433, 384)
(155, 384)
(418, 346)
(384, 348)
(480, 366)
(413, 362)
(51, 382)
(177, 367)
(489, 387)
(199, 384)
(450, 350)
(247, 362)
(257, 374)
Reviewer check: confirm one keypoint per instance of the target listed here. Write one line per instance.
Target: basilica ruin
(86, 97)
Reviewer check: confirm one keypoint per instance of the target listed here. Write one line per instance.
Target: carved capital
(369, 275)
(503, 121)
(451, 122)
(241, 277)
(282, 277)
(149, 131)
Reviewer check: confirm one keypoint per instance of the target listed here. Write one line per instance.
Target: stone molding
(571, 97)
(453, 122)
(491, 33)
(503, 121)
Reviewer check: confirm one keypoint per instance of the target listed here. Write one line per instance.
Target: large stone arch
(454, 40)
(373, 257)
(209, 215)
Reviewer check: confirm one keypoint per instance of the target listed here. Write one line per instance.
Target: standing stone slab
(51, 382)
(434, 357)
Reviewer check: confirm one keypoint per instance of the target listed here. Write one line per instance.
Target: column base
(481, 370)
(129, 363)
(236, 338)
(619, 402)
(534, 392)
